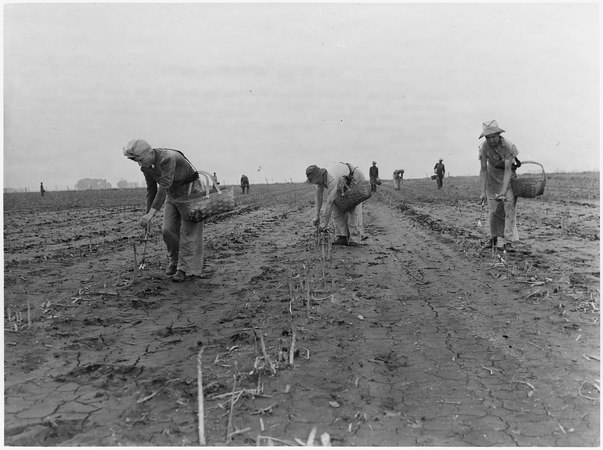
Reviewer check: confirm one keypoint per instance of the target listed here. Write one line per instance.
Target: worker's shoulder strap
(351, 169)
(192, 177)
(349, 178)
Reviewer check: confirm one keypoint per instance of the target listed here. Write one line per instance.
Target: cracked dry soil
(415, 338)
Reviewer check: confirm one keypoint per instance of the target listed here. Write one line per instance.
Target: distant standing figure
(216, 178)
(244, 183)
(398, 175)
(42, 190)
(439, 171)
(169, 175)
(348, 225)
(497, 156)
(374, 176)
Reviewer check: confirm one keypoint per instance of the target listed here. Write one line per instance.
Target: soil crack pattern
(417, 337)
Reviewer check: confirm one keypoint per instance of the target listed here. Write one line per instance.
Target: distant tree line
(92, 183)
(123, 184)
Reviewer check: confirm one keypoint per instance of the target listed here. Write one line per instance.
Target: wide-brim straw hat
(489, 128)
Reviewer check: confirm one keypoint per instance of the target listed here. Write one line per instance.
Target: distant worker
(498, 161)
(348, 225)
(216, 178)
(374, 176)
(398, 175)
(42, 190)
(439, 170)
(244, 183)
(170, 175)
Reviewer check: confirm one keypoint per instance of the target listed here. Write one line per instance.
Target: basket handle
(210, 181)
(534, 162)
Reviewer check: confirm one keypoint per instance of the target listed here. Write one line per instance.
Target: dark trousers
(374, 184)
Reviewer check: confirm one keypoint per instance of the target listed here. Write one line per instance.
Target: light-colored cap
(136, 147)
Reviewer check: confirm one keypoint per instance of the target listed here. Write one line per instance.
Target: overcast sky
(268, 89)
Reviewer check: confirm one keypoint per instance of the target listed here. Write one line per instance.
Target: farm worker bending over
(497, 158)
(169, 175)
(348, 225)
(244, 183)
(398, 175)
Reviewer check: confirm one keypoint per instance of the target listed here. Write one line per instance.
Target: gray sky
(268, 89)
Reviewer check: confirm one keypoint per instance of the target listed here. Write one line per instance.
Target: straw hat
(490, 128)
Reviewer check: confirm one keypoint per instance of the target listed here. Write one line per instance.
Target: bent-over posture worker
(348, 225)
(244, 183)
(398, 175)
(169, 175)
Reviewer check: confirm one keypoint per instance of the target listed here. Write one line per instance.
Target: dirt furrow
(413, 338)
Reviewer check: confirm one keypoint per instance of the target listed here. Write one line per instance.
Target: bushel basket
(203, 205)
(353, 197)
(529, 185)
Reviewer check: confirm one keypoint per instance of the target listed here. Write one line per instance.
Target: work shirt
(374, 172)
(170, 174)
(496, 155)
(335, 173)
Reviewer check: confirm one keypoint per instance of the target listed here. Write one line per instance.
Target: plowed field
(417, 337)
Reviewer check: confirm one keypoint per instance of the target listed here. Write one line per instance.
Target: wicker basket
(203, 205)
(353, 197)
(529, 185)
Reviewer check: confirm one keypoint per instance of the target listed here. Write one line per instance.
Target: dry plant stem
(269, 438)
(311, 436)
(255, 392)
(266, 357)
(244, 430)
(144, 249)
(322, 248)
(201, 411)
(307, 352)
(292, 349)
(135, 260)
(526, 383)
(148, 397)
(232, 401)
(308, 291)
(586, 396)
